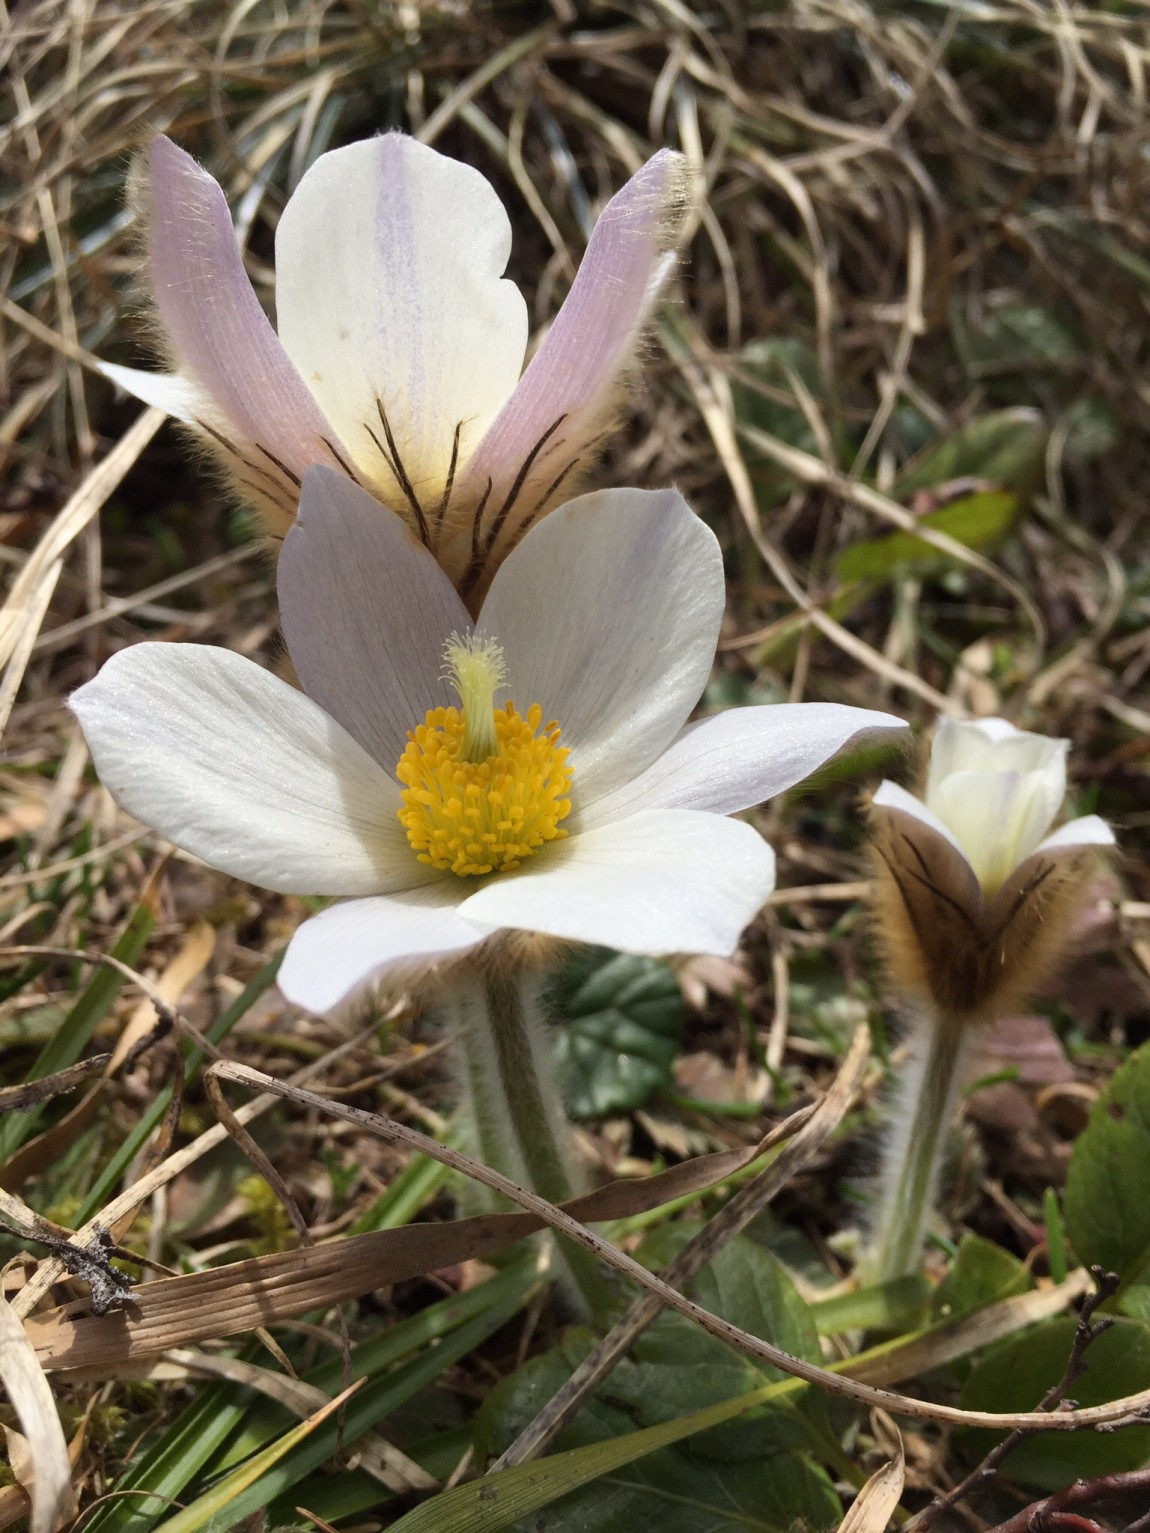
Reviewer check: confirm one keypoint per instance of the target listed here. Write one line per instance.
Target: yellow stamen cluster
(474, 817)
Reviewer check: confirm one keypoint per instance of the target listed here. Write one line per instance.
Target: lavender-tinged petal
(344, 950)
(220, 336)
(366, 612)
(575, 370)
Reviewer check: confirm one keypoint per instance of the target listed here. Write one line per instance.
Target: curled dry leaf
(53, 1500)
(875, 1504)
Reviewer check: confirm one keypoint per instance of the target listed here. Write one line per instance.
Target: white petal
(999, 817)
(347, 948)
(608, 613)
(366, 612)
(994, 745)
(176, 396)
(668, 881)
(741, 757)
(888, 795)
(388, 265)
(1090, 830)
(235, 766)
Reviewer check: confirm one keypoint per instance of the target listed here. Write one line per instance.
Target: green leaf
(222, 1499)
(1107, 1201)
(1015, 1375)
(975, 521)
(981, 1273)
(90, 1009)
(753, 1472)
(621, 1022)
(1018, 333)
(896, 1304)
(1005, 447)
(675, 1494)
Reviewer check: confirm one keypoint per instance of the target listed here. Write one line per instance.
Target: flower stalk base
(917, 1137)
(517, 1120)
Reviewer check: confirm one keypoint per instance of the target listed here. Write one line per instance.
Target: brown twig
(1087, 1331)
(1056, 1513)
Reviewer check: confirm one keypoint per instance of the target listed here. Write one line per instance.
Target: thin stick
(694, 1256)
(1129, 1409)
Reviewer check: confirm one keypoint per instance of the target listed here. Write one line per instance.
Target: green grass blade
(92, 1006)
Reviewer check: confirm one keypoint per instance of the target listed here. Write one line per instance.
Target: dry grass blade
(1128, 1409)
(910, 1359)
(732, 1218)
(70, 521)
(53, 1499)
(244, 1295)
(875, 1504)
(20, 1098)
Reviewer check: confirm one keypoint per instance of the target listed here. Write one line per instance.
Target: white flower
(975, 897)
(604, 619)
(400, 343)
(993, 792)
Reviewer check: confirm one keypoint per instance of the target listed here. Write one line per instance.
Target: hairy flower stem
(517, 1119)
(918, 1132)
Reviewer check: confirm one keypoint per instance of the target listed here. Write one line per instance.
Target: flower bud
(974, 896)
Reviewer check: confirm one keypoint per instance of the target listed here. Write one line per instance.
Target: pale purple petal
(240, 769)
(366, 612)
(741, 757)
(390, 291)
(1090, 830)
(668, 881)
(608, 613)
(220, 336)
(345, 949)
(574, 373)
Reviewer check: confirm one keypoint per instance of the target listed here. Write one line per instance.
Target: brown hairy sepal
(949, 947)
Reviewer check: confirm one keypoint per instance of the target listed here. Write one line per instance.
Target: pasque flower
(975, 902)
(400, 343)
(974, 888)
(529, 770)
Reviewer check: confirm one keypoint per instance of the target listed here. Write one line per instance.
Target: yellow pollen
(473, 817)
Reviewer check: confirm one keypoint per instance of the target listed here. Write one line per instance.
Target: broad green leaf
(497, 1501)
(677, 1485)
(1014, 1377)
(620, 1023)
(1005, 447)
(670, 1491)
(1107, 1201)
(678, 1367)
(976, 521)
(1017, 333)
(981, 1274)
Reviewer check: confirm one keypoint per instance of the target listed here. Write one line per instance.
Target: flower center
(484, 787)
